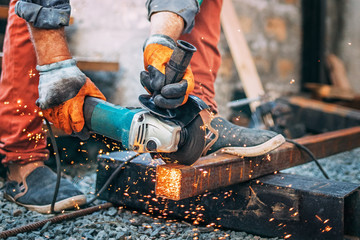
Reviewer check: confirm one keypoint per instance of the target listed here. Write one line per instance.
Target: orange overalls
(21, 136)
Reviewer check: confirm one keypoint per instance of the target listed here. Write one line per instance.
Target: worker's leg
(206, 61)
(21, 137)
(22, 141)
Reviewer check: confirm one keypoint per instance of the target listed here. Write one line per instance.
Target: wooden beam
(337, 72)
(4, 12)
(240, 52)
(332, 92)
(319, 117)
(325, 107)
(88, 64)
(177, 182)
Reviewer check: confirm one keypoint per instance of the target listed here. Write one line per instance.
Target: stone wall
(115, 31)
(272, 29)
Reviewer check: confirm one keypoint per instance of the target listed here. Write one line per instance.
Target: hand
(62, 90)
(157, 54)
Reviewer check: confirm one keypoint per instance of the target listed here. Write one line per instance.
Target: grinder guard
(192, 141)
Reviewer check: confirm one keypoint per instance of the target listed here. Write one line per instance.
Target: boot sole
(255, 151)
(67, 203)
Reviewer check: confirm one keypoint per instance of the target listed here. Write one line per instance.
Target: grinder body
(136, 129)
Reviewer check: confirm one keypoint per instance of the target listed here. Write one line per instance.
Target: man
(38, 67)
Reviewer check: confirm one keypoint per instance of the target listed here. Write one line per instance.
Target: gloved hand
(62, 90)
(157, 53)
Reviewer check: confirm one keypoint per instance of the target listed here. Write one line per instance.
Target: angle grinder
(176, 135)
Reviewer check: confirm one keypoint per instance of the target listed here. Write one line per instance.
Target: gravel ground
(121, 223)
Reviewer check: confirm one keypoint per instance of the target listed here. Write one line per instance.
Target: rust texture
(220, 170)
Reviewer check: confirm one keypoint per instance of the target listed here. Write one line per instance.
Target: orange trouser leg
(206, 61)
(21, 137)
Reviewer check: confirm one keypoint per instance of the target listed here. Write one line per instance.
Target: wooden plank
(241, 53)
(332, 92)
(319, 117)
(87, 64)
(337, 72)
(4, 12)
(325, 107)
(177, 182)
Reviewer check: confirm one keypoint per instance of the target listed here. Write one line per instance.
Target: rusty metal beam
(177, 182)
(277, 205)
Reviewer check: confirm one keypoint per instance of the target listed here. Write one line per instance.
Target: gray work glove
(58, 83)
(62, 92)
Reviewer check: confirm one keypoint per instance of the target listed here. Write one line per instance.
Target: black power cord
(58, 166)
(311, 155)
(112, 176)
(58, 171)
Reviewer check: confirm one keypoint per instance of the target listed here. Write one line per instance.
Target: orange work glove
(69, 116)
(157, 53)
(62, 91)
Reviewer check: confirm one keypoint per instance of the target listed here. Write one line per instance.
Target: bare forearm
(167, 23)
(50, 45)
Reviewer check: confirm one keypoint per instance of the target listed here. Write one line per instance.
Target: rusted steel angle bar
(277, 205)
(177, 182)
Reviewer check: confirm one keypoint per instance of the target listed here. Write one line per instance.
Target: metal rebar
(56, 219)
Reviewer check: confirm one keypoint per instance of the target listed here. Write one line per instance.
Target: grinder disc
(192, 146)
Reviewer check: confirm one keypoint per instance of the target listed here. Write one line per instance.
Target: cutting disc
(192, 144)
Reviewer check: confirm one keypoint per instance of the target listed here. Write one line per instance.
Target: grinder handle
(179, 61)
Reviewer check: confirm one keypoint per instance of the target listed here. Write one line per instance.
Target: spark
(287, 236)
(292, 81)
(318, 218)
(327, 228)
(349, 43)
(31, 73)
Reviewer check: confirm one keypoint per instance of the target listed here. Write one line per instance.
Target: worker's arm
(62, 86)
(169, 19)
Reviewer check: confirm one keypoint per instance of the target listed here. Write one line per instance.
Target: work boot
(248, 142)
(36, 192)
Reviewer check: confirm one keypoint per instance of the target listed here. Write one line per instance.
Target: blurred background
(290, 41)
